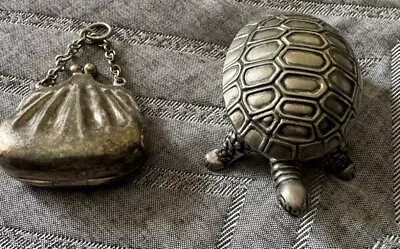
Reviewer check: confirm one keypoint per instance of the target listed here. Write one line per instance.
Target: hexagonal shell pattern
(304, 59)
(295, 132)
(301, 84)
(343, 61)
(266, 34)
(231, 74)
(259, 74)
(291, 86)
(298, 109)
(261, 99)
(238, 117)
(255, 137)
(263, 51)
(232, 95)
(267, 121)
(279, 149)
(306, 39)
(302, 24)
(342, 83)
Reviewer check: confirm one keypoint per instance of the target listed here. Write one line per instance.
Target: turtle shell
(291, 86)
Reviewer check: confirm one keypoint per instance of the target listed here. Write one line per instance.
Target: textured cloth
(172, 55)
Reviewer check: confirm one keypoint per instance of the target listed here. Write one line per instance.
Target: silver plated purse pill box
(291, 85)
(76, 133)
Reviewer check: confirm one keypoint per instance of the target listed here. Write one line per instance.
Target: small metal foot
(290, 190)
(220, 158)
(341, 164)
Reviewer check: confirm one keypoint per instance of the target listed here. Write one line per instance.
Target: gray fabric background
(172, 54)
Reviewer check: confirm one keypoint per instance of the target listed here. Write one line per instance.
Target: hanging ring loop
(90, 33)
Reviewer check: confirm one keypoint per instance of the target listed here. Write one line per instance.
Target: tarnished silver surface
(76, 133)
(291, 86)
(88, 36)
(79, 132)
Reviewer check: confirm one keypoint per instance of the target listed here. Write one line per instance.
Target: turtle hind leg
(290, 190)
(219, 158)
(341, 164)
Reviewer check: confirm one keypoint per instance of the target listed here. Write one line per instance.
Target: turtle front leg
(219, 158)
(289, 186)
(341, 164)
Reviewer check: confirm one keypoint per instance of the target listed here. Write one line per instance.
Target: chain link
(61, 62)
(115, 69)
(88, 36)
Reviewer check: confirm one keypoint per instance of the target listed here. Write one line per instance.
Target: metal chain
(61, 61)
(115, 69)
(88, 36)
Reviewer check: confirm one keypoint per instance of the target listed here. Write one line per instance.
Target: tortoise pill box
(292, 86)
